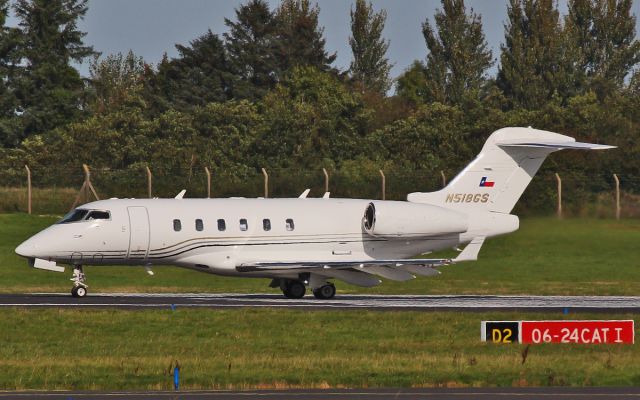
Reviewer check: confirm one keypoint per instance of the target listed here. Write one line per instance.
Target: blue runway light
(176, 378)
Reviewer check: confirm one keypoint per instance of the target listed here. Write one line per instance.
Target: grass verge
(269, 348)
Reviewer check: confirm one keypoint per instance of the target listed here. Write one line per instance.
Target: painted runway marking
(397, 302)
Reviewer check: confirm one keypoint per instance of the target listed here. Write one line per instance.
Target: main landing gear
(325, 292)
(293, 289)
(79, 282)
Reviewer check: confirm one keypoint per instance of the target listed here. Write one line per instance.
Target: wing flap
(388, 273)
(350, 276)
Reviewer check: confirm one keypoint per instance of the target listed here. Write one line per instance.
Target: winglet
(470, 252)
(304, 194)
(181, 194)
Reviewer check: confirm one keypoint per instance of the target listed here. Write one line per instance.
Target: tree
(300, 41)
(115, 81)
(602, 41)
(50, 90)
(412, 84)
(199, 75)
(459, 55)
(10, 130)
(370, 66)
(531, 59)
(250, 44)
(311, 116)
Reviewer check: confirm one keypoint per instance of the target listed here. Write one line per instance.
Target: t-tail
(496, 179)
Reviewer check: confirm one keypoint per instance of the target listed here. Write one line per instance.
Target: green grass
(546, 256)
(274, 348)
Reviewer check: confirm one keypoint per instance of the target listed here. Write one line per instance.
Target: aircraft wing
(289, 265)
(356, 271)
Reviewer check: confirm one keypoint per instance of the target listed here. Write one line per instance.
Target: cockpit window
(84, 215)
(74, 216)
(98, 215)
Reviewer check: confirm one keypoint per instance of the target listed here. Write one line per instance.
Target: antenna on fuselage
(181, 194)
(304, 194)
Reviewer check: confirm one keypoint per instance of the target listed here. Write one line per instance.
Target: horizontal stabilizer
(557, 146)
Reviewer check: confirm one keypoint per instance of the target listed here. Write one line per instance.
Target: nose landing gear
(79, 282)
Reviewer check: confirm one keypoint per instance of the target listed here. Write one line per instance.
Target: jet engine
(404, 219)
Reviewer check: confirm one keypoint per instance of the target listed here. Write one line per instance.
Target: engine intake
(403, 219)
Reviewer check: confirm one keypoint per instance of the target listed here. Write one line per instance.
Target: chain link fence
(54, 190)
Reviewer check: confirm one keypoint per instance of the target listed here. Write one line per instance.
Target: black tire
(78, 291)
(295, 290)
(325, 292)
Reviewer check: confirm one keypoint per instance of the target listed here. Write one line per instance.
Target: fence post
(86, 187)
(615, 176)
(326, 180)
(28, 188)
(384, 185)
(149, 182)
(266, 183)
(444, 179)
(206, 170)
(559, 210)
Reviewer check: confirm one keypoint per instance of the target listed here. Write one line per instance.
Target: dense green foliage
(265, 94)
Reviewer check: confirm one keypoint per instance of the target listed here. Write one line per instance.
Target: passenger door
(138, 233)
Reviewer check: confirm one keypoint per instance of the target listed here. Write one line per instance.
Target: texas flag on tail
(485, 183)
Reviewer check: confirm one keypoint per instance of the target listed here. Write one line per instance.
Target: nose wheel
(79, 282)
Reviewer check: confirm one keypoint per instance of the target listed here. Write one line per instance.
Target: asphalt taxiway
(349, 394)
(565, 304)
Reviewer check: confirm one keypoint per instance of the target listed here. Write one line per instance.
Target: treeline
(266, 93)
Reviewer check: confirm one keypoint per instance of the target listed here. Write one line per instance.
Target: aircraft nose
(26, 249)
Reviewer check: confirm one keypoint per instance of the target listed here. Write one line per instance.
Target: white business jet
(305, 242)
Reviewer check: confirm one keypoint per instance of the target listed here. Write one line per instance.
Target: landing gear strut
(79, 282)
(293, 289)
(325, 292)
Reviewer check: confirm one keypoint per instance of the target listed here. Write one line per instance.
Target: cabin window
(243, 225)
(98, 215)
(199, 225)
(266, 224)
(290, 225)
(74, 216)
(222, 226)
(177, 225)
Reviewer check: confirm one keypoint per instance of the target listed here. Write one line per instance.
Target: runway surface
(375, 302)
(349, 394)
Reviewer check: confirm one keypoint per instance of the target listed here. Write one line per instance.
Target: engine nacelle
(403, 219)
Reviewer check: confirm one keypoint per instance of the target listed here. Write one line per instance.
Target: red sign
(583, 332)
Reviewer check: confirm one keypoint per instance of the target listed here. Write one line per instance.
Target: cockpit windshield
(84, 215)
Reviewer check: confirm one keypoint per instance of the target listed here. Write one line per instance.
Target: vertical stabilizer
(496, 179)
